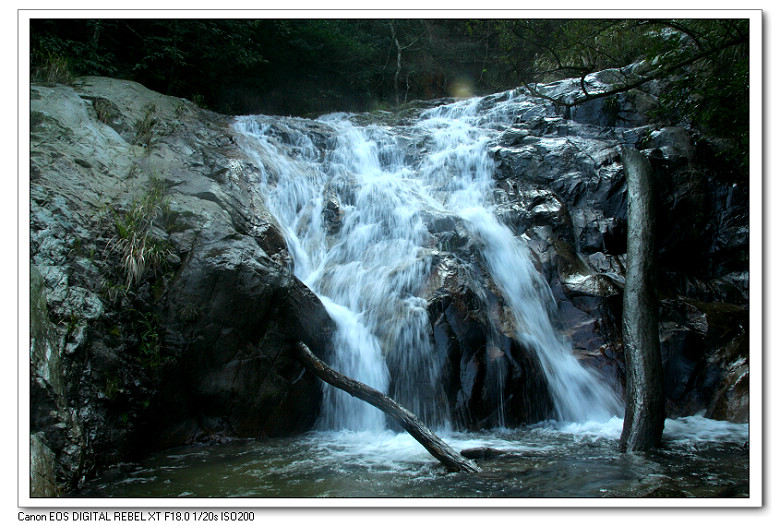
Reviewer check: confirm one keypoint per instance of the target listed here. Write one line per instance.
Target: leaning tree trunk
(435, 446)
(644, 419)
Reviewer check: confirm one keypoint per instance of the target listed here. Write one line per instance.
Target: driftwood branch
(413, 425)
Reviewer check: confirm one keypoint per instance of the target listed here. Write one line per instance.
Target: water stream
(700, 458)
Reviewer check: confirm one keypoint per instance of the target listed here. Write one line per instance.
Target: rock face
(561, 185)
(163, 301)
(473, 336)
(162, 294)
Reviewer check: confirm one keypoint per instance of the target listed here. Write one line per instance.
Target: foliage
(144, 129)
(150, 341)
(292, 66)
(113, 386)
(178, 57)
(713, 93)
(83, 43)
(105, 111)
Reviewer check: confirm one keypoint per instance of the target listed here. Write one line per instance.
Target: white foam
(697, 428)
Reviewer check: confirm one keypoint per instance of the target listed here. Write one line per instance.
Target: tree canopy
(703, 64)
(301, 66)
(294, 66)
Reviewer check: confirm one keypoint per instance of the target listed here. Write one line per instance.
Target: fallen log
(413, 425)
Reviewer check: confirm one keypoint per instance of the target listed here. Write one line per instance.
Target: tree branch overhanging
(660, 72)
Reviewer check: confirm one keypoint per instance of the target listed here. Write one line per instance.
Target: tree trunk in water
(413, 425)
(644, 419)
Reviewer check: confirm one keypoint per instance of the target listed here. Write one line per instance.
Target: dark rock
(704, 347)
(702, 228)
(482, 453)
(484, 366)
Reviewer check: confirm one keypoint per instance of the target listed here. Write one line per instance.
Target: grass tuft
(137, 249)
(53, 69)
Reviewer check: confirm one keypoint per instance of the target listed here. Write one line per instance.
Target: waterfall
(353, 208)
(578, 394)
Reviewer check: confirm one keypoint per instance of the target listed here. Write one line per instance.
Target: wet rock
(482, 453)
(332, 214)
(231, 309)
(483, 365)
(705, 355)
(580, 245)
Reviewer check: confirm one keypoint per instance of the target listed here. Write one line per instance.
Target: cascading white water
(578, 394)
(461, 133)
(369, 269)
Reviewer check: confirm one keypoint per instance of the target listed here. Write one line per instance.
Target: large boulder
(163, 296)
(704, 346)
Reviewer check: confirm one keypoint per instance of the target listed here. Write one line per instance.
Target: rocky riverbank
(163, 301)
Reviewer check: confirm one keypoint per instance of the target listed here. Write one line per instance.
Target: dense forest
(282, 66)
(303, 67)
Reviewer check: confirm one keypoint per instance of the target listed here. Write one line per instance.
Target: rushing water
(366, 258)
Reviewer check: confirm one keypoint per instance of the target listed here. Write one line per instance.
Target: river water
(356, 214)
(700, 458)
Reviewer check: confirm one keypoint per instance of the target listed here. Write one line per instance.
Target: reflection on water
(700, 458)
